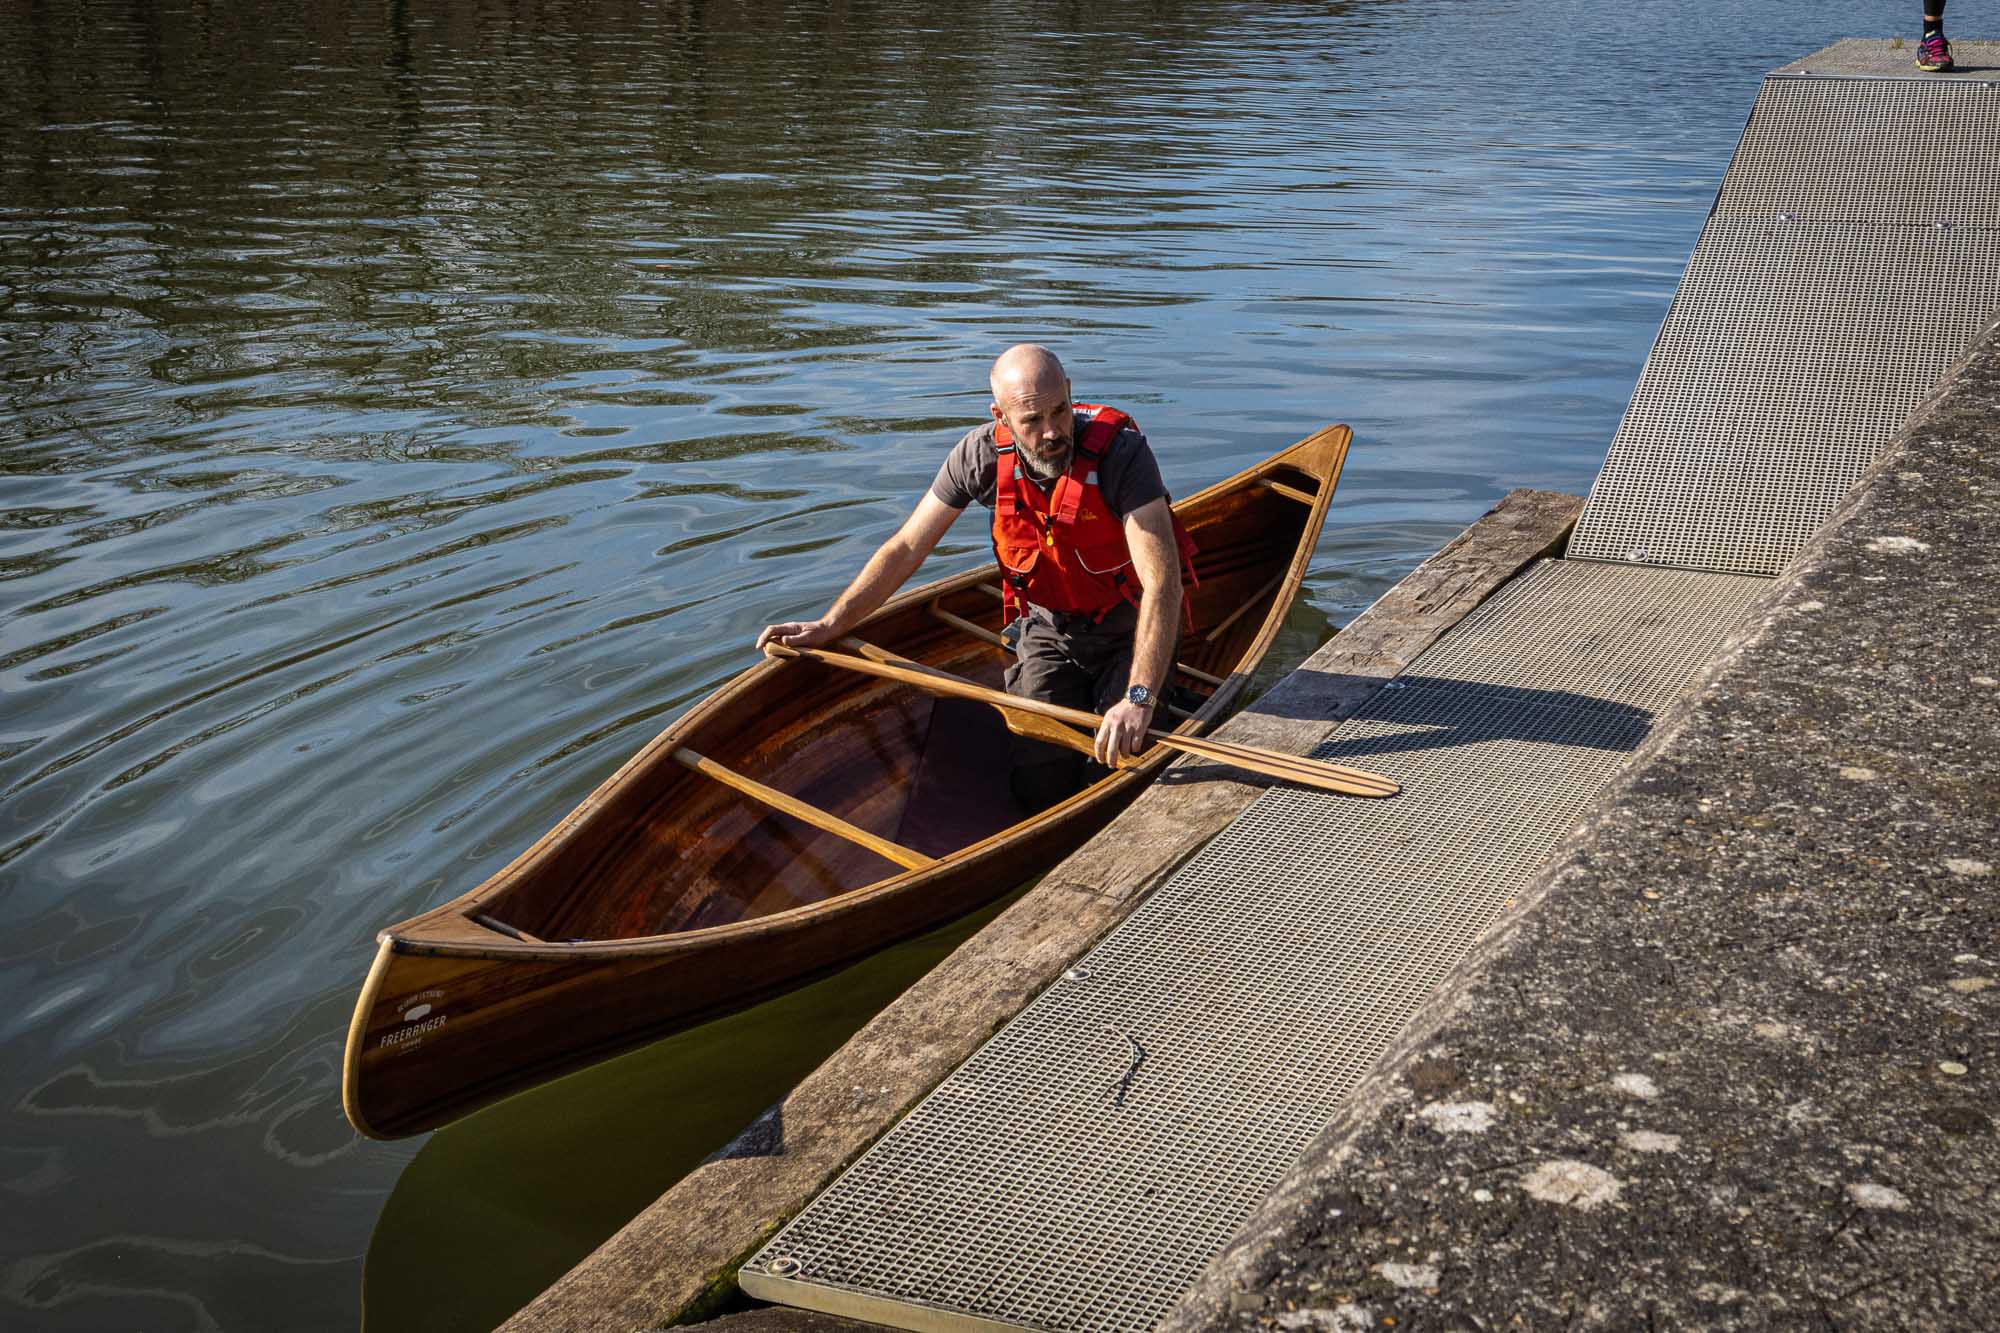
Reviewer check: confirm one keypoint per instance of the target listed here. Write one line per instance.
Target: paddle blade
(1036, 727)
(1286, 767)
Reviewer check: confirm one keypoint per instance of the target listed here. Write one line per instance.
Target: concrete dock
(1724, 1054)
(1733, 1058)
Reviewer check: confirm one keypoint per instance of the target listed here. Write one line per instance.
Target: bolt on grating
(1789, 357)
(1905, 152)
(1083, 1165)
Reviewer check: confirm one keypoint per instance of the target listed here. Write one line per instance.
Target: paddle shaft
(1026, 723)
(1019, 720)
(1292, 768)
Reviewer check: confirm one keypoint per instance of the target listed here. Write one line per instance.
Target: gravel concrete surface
(1734, 1061)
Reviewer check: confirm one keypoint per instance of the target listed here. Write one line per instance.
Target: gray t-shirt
(1127, 475)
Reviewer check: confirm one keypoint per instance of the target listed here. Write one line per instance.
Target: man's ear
(995, 409)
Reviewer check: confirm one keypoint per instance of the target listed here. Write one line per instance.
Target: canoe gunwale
(446, 930)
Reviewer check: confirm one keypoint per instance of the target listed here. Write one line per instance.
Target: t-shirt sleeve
(966, 475)
(1129, 476)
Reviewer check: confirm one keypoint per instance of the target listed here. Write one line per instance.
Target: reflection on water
(406, 410)
(495, 1208)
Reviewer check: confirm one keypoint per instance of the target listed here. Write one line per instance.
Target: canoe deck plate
(1080, 1169)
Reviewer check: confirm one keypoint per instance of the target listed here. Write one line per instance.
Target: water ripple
(408, 410)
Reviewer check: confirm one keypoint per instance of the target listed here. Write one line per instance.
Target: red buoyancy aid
(1065, 550)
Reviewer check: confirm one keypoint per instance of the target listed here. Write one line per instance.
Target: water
(405, 411)
(501, 1204)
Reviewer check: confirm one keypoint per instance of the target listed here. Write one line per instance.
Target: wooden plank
(501, 927)
(960, 623)
(798, 809)
(1289, 492)
(1201, 676)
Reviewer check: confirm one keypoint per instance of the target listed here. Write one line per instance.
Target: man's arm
(878, 580)
(1149, 534)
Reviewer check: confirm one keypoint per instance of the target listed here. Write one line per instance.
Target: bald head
(1025, 367)
(1031, 398)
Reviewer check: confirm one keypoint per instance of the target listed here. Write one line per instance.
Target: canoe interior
(672, 850)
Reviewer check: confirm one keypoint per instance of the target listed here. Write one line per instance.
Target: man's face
(1039, 416)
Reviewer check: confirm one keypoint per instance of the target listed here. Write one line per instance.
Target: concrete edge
(676, 1261)
(1244, 1264)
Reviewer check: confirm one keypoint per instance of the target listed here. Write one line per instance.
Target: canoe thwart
(1201, 676)
(501, 927)
(1289, 492)
(797, 809)
(960, 623)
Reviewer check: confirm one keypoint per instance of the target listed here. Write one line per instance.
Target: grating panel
(1085, 1163)
(1791, 353)
(1824, 150)
(1582, 634)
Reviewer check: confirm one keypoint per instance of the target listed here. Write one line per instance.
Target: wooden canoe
(680, 890)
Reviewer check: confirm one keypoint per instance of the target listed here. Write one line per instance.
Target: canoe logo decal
(418, 1017)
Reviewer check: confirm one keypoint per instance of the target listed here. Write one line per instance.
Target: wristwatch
(1139, 695)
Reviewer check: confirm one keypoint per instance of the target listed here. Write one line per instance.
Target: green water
(498, 1206)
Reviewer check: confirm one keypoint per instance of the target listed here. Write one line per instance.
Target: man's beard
(1041, 471)
(1044, 473)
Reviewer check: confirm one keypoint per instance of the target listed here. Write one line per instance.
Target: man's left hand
(1122, 732)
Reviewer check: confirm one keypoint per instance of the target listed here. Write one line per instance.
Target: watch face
(1139, 695)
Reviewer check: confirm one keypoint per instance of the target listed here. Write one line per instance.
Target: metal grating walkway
(1853, 253)
(1050, 1183)
(1080, 1169)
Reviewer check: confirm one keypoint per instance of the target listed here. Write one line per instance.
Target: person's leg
(1109, 660)
(1111, 671)
(1933, 51)
(1039, 773)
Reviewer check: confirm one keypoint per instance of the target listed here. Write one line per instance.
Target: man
(1092, 561)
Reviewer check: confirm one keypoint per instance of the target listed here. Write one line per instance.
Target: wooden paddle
(1019, 721)
(1040, 726)
(1289, 767)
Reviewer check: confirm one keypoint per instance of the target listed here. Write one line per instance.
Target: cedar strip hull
(666, 899)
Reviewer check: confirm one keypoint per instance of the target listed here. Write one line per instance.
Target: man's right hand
(797, 634)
